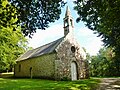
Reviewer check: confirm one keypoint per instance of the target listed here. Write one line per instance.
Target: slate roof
(45, 49)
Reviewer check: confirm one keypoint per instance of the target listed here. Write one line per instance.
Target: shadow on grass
(40, 84)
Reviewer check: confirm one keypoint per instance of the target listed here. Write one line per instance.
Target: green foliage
(102, 16)
(12, 43)
(104, 64)
(7, 15)
(35, 14)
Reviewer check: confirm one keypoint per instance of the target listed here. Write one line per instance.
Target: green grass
(40, 84)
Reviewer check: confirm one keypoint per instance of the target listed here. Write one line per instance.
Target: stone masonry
(63, 59)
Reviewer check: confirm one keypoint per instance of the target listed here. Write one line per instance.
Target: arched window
(30, 72)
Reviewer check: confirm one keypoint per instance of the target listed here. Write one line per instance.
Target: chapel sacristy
(62, 59)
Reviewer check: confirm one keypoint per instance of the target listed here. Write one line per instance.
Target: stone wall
(66, 57)
(56, 65)
(42, 66)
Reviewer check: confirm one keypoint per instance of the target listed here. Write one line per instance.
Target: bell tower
(68, 22)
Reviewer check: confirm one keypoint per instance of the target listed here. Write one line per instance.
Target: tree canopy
(23, 16)
(104, 64)
(102, 16)
(36, 14)
(12, 43)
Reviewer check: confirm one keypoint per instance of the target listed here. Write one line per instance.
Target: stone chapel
(62, 59)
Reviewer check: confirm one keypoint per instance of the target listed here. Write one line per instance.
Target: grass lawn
(39, 84)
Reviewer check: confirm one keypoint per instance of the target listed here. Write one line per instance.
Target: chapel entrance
(73, 71)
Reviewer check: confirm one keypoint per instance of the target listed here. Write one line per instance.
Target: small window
(19, 67)
(66, 23)
(70, 22)
(73, 49)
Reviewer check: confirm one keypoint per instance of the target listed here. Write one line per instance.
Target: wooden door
(73, 71)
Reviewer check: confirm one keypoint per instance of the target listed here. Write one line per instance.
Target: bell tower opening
(68, 22)
(71, 22)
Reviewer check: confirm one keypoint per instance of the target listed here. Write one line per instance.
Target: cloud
(84, 36)
(93, 45)
(87, 39)
(84, 31)
(42, 37)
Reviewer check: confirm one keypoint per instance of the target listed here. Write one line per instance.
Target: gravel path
(109, 84)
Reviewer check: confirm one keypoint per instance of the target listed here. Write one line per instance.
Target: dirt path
(109, 84)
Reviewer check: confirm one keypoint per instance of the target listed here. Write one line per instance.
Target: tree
(36, 14)
(12, 43)
(102, 16)
(104, 63)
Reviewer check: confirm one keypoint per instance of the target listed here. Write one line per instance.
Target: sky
(85, 37)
